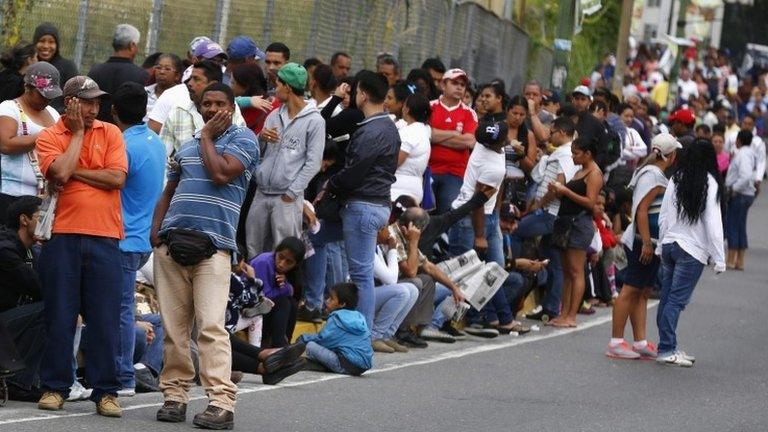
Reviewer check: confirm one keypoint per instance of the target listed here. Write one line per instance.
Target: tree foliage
(11, 15)
(597, 38)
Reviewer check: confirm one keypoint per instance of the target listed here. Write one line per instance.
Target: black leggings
(280, 322)
(245, 357)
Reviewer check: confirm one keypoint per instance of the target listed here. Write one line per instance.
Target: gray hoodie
(289, 165)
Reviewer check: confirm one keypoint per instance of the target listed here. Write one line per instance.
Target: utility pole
(680, 33)
(565, 22)
(622, 46)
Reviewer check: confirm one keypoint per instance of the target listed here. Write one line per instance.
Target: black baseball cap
(492, 133)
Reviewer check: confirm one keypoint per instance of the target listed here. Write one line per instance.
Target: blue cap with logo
(242, 47)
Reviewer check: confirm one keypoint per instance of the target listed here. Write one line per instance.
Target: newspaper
(459, 267)
(451, 310)
(478, 281)
(480, 286)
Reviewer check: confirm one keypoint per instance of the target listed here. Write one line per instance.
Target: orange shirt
(84, 209)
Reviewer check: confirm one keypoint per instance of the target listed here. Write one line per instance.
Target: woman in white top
(414, 148)
(634, 149)
(648, 185)
(168, 69)
(691, 233)
(740, 182)
(393, 300)
(21, 119)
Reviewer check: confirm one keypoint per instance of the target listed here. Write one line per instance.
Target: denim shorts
(637, 274)
(582, 232)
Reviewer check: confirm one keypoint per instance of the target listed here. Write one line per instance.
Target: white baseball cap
(665, 144)
(583, 90)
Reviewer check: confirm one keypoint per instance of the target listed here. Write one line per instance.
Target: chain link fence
(463, 34)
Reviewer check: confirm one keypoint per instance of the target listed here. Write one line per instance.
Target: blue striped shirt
(201, 205)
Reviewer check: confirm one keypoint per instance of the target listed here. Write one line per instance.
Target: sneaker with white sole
(674, 358)
(480, 331)
(621, 351)
(649, 351)
(433, 334)
(126, 392)
(78, 393)
(687, 356)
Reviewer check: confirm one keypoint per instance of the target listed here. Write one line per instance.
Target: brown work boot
(108, 406)
(172, 412)
(51, 401)
(215, 418)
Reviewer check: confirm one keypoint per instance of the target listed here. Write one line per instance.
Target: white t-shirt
(485, 166)
(409, 176)
(18, 176)
(687, 88)
(176, 95)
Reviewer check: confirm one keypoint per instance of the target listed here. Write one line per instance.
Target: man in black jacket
(365, 182)
(21, 308)
(119, 68)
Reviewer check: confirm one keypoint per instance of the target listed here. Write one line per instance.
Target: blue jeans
(441, 293)
(361, 223)
(446, 188)
(536, 224)
(81, 274)
(132, 261)
(325, 357)
(462, 239)
(393, 302)
(336, 267)
(736, 221)
(316, 267)
(150, 355)
(680, 273)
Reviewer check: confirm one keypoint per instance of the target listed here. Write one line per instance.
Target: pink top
(723, 160)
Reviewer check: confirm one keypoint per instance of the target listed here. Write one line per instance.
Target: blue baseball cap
(242, 47)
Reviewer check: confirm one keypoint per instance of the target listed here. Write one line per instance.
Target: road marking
(329, 377)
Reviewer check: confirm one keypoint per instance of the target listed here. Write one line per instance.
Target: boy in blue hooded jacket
(344, 344)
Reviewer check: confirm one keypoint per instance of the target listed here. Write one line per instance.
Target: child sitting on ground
(246, 305)
(344, 345)
(280, 273)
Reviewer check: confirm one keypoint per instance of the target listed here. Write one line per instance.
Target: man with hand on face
(80, 266)
(193, 233)
(185, 118)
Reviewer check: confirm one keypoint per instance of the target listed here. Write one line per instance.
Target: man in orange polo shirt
(80, 266)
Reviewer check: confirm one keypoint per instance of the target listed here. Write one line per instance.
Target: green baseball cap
(294, 75)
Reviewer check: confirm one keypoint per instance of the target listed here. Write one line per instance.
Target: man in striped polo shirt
(541, 219)
(193, 232)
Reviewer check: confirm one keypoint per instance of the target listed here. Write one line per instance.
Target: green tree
(11, 15)
(597, 38)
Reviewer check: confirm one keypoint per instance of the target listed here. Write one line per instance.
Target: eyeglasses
(164, 68)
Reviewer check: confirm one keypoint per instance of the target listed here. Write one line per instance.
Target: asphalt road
(544, 381)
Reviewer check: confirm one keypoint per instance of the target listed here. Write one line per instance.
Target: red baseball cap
(683, 115)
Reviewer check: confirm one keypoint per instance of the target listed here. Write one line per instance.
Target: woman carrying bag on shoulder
(573, 230)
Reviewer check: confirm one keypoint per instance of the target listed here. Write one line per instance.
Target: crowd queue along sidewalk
(167, 225)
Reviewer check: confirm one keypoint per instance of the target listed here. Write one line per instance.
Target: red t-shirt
(460, 118)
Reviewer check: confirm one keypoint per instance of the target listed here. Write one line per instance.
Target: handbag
(10, 362)
(188, 247)
(328, 208)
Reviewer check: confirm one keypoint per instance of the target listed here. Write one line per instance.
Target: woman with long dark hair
(577, 200)
(414, 149)
(248, 80)
(15, 62)
(691, 233)
(522, 150)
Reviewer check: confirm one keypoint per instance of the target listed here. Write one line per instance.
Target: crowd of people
(167, 225)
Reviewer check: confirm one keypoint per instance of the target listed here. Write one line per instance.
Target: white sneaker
(676, 358)
(687, 356)
(126, 392)
(77, 392)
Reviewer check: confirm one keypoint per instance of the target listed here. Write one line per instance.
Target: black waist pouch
(189, 247)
